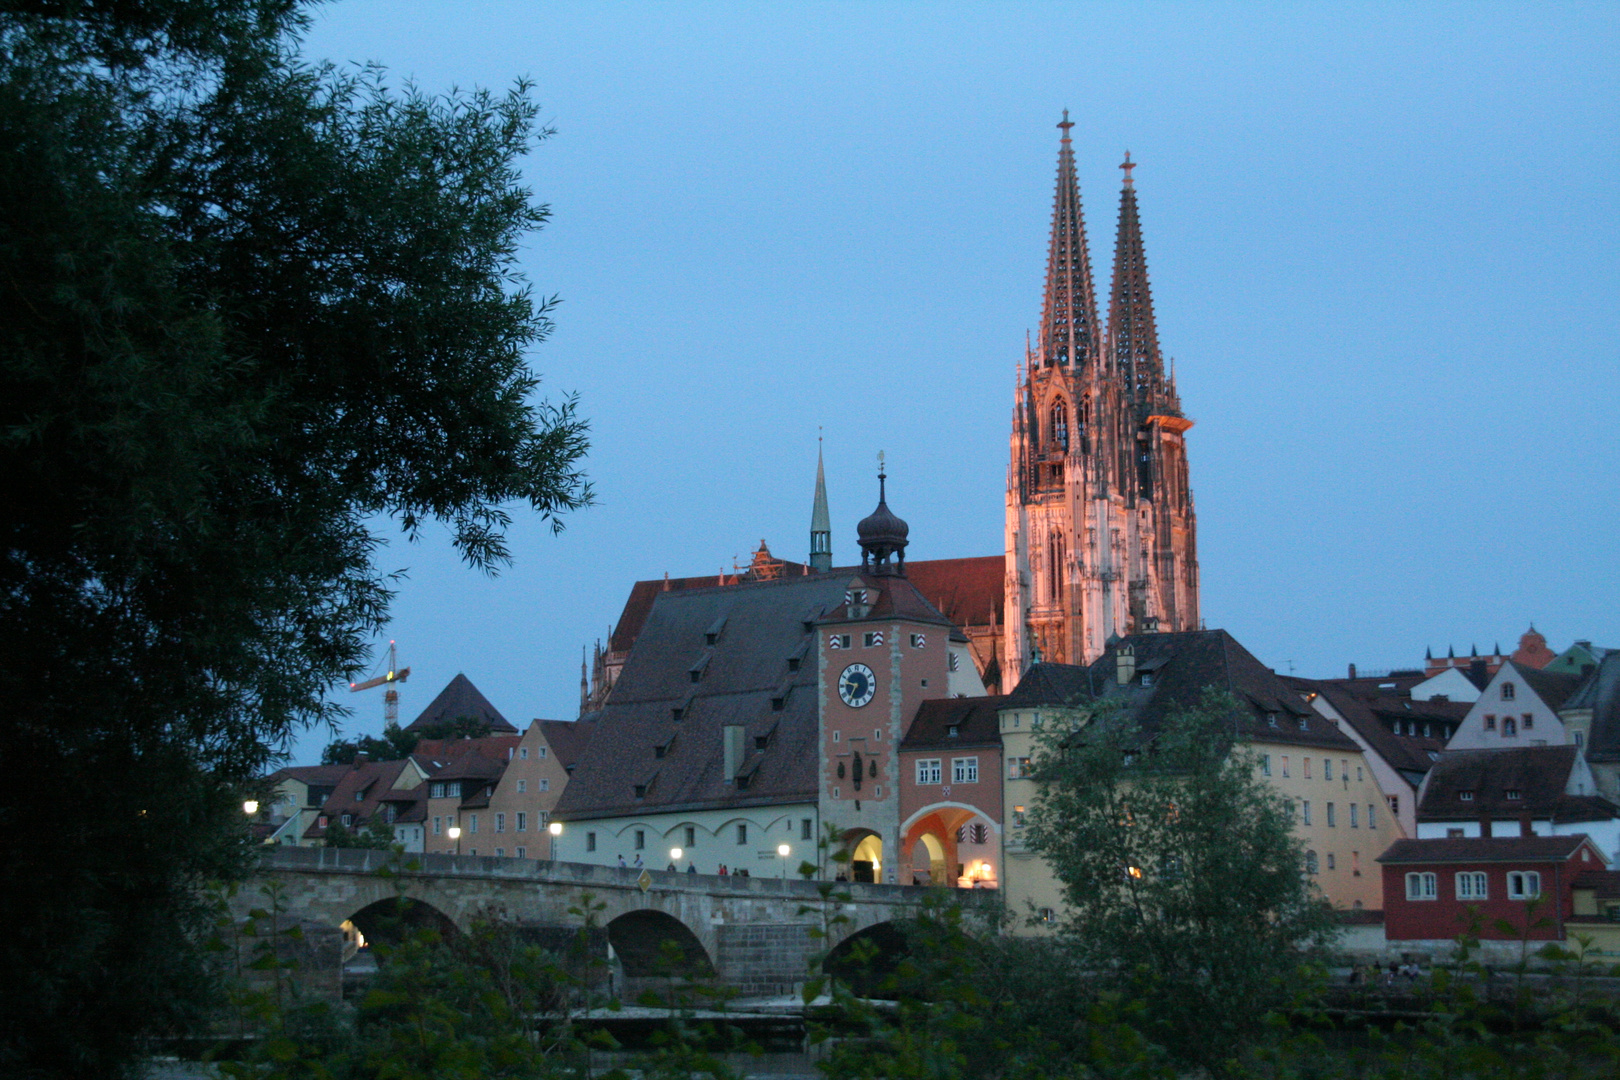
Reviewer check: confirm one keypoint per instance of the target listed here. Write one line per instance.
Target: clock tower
(879, 653)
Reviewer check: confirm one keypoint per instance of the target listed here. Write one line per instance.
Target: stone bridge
(749, 931)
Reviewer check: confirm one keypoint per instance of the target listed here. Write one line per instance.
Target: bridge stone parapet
(756, 932)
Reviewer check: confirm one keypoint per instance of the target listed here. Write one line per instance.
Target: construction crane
(395, 674)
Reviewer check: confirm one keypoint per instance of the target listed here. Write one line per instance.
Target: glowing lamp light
(675, 854)
(1134, 871)
(250, 807)
(555, 828)
(783, 850)
(453, 832)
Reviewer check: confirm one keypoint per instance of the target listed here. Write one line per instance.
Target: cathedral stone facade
(1101, 535)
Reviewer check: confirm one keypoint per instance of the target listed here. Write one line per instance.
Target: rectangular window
(1523, 885)
(1305, 811)
(523, 786)
(806, 829)
(472, 826)
(1330, 820)
(438, 826)
(1490, 723)
(545, 785)
(348, 819)
(1471, 886)
(1330, 860)
(691, 836)
(522, 821)
(928, 770)
(500, 823)
(590, 841)
(522, 853)
(837, 641)
(1394, 804)
(1327, 768)
(919, 641)
(641, 840)
(953, 661)
(436, 791)
(1018, 768)
(1306, 762)
(1528, 721)
(500, 852)
(872, 638)
(523, 752)
(1421, 887)
(1285, 766)
(1372, 822)
(1354, 816)
(965, 770)
(1465, 796)
(1509, 726)
(742, 834)
(1265, 764)
(1018, 817)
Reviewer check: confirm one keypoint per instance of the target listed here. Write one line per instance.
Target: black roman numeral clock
(857, 685)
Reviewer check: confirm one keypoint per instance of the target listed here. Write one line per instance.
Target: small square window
(523, 753)
(1465, 796)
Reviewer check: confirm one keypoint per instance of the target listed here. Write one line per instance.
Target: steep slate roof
(373, 779)
(567, 738)
(976, 720)
(967, 591)
(1552, 687)
(461, 698)
(1183, 666)
(1539, 773)
(757, 627)
(1374, 714)
(1600, 692)
(1472, 849)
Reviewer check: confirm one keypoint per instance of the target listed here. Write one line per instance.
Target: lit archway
(928, 863)
(866, 860)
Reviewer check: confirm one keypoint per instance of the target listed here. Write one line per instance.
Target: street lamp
(675, 854)
(454, 832)
(782, 852)
(250, 807)
(555, 829)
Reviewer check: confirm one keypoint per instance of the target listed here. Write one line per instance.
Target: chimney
(734, 743)
(1125, 664)
(361, 759)
(1352, 671)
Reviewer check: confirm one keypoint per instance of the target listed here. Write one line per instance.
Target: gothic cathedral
(1101, 535)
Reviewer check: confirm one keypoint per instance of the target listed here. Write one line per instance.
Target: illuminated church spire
(1133, 338)
(1069, 331)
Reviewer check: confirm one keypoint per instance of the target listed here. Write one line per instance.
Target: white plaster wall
(715, 834)
(1548, 729)
(1390, 782)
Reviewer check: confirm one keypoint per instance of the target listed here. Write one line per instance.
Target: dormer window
(641, 791)
(854, 597)
(1508, 691)
(777, 704)
(1271, 719)
(658, 751)
(1304, 723)
(953, 731)
(761, 742)
(793, 663)
(1147, 678)
(1465, 796)
(1514, 793)
(675, 713)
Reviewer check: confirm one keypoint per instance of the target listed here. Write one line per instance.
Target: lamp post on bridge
(782, 852)
(555, 829)
(454, 833)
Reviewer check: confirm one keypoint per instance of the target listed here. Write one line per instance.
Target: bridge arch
(649, 943)
(395, 918)
(869, 959)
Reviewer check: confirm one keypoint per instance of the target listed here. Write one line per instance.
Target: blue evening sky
(1382, 240)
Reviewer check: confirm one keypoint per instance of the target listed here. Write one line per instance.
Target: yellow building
(1339, 810)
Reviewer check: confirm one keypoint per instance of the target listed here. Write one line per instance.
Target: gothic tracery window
(1060, 426)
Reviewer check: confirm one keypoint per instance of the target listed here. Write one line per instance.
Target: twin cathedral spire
(1101, 534)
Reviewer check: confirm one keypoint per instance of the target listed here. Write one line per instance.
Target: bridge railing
(287, 859)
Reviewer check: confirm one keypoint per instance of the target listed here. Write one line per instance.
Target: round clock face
(857, 685)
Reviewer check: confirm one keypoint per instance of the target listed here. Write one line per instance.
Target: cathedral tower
(1101, 537)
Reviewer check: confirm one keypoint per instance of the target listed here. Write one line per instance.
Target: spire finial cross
(1128, 166)
(1066, 125)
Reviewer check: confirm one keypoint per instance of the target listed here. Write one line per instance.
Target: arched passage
(869, 960)
(865, 855)
(650, 943)
(928, 860)
(396, 918)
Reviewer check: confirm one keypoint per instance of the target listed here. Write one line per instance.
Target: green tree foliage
(250, 310)
(395, 742)
(1183, 880)
(375, 834)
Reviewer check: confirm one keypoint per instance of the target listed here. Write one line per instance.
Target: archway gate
(756, 931)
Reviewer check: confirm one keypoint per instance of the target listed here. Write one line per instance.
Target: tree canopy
(251, 311)
(1182, 877)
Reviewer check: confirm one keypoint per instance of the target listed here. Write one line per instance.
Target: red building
(1436, 890)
